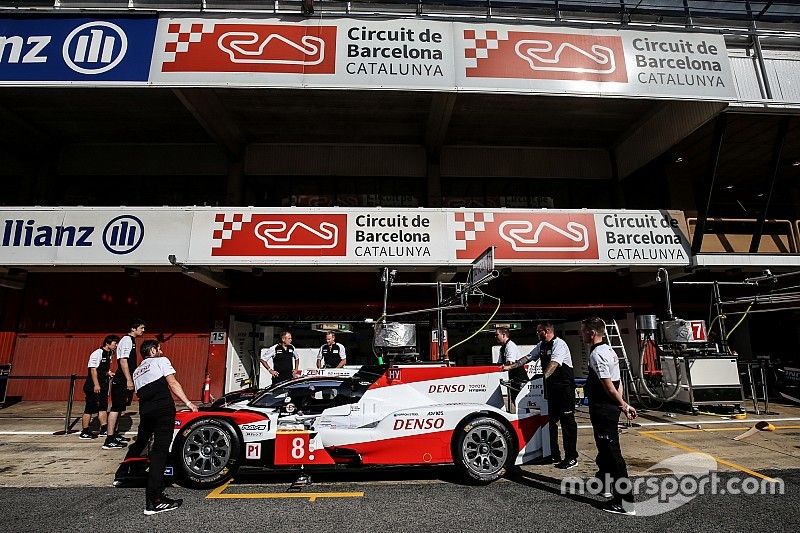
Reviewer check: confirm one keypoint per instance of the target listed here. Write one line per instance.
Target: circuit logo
(286, 235)
(123, 234)
(95, 47)
(549, 56)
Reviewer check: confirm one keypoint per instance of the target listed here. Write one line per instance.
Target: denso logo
(418, 423)
(91, 48)
(121, 235)
(439, 389)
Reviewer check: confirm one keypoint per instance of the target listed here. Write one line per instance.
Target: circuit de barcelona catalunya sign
(400, 54)
(411, 54)
(339, 236)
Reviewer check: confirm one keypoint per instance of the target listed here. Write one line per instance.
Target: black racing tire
(207, 453)
(483, 450)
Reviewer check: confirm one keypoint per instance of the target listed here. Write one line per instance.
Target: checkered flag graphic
(468, 224)
(181, 34)
(225, 224)
(477, 44)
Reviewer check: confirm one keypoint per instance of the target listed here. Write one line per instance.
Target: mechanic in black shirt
(154, 379)
(96, 386)
(559, 389)
(604, 389)
(284, 359)
(331, 354)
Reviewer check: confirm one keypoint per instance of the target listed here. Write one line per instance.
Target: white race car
(422, 414)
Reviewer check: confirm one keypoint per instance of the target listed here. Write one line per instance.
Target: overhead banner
(93, 236)
(72, 50)
(340, 237)
(434, 237)
(448, 56)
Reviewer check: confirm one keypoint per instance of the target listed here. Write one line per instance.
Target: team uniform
(604, 414)
(100, 359)
(156, 419)
(120, 395)
(283, 360)
(509, 353)
(559, 389)
(331, 355)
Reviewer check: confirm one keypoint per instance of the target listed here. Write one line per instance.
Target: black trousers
(610, 463)
(158, 425)
(561, 406)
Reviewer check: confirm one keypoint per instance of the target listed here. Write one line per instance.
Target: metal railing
(70, 397)
(684, 12)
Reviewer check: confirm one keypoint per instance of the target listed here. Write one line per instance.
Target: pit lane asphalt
(422, 500)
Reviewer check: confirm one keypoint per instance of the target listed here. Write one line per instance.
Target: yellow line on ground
(718, 460)
(310, 496)
(220, 494)
(219, 490)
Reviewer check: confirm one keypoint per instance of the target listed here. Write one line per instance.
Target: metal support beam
(438, 123)
(435, 133)
(713, 163)
(210, 113)
(762, 66)
(780, 140)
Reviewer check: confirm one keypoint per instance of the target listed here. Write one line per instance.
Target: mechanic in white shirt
(122, 384)
(510, 353)
(155, 383)
(559, 389)
(604, 389)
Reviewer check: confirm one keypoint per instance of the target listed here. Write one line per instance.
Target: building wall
(63, 317)
(55, 355)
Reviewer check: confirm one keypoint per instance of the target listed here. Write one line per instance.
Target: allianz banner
(116, 236)
(340, 237)
(76, 50)
(447, 56)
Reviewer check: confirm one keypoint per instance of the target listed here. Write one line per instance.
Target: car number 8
(298, 448)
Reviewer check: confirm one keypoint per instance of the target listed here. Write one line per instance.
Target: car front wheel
(482, 450)
(207, 453)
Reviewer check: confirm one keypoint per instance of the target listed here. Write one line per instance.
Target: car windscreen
(295, 391)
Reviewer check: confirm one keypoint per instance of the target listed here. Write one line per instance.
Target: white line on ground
(696, 421)
(38, 433)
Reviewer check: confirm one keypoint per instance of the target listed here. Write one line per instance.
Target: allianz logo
(122, 235)
(91, 48)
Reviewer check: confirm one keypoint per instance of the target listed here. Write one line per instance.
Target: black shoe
(87, 435)
(566, 464)
(104, 431)
(119, 437)
(161, 505)
(617, 508)
(113, 444)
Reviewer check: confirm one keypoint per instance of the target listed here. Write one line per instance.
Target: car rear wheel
(482, 450)
(207, 453)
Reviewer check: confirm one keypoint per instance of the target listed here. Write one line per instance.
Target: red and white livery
(425, 414)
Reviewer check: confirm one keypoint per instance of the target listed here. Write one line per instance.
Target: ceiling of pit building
(745, 167)
(55, 117)
(40, 120)
(68, 116)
